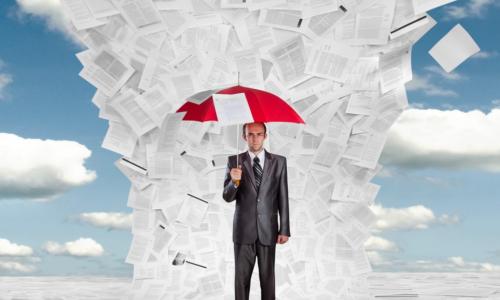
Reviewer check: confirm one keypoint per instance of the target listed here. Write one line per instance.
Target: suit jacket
(256, 214)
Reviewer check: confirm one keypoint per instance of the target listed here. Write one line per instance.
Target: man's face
(255, 136)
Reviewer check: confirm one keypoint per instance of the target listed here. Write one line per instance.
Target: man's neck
(257, 153)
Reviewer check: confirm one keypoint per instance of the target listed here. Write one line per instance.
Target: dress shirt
(261, 155)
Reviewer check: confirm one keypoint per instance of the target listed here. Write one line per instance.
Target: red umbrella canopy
(264, 106)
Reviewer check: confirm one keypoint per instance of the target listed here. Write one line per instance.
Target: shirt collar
(261, 155)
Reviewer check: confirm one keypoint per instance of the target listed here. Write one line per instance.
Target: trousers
(244, 261)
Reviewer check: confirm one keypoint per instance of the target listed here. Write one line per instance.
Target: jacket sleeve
(229, 193)
(283, 202)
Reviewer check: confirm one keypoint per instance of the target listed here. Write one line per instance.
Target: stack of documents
(341, 64)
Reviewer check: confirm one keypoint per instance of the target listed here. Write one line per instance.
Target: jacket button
(258, 199)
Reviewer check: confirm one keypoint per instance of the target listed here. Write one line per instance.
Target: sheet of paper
(364, 74)
(233, 4)
(193, 131)
(327, 154)
(395, 69)
(196, 160)
(369, 26)
(184, 84)
(253, 35)
(193, 211)
(361, 103)
(261, 4)
(176, 21)
(132, 112)
(173, 5)
(290, 61)
(331, 60)
(355, 235)
(137, 179)
(163, 236)
(365, 148)
(141, 199)
(312, 8)
(142, 220)
(169, 132)
(280, 18)
(156, 104)
(454, 48)
(248, 65)
(139, 249)
(211, 285)
(107, 71)
(319, 25)
(80, 14)
(162, 165)
(102, 8)
(218, 72)
(405, 19)
(157, 68)
(142, 14)
(120, 139)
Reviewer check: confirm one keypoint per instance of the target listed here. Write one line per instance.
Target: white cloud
(448, 220)
(457, 260)
(376, 259)
(15, 266)
(424, 84)
(41, 169)
(412, 217)
(485, 54)
(81, 247)
(5, 80)
(48, 10)
(376, 243)
(452, 139)
(436, 70)
(472, 8)
(109, 220)
(7, 248)
(15, 258)
(418, 105)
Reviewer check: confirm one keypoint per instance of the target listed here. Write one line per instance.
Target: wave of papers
(342, 64)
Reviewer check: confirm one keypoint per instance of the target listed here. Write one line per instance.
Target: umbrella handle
(237, 147)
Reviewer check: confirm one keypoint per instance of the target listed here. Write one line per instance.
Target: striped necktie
(257, 170)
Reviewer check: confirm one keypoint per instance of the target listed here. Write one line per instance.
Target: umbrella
(237, 105)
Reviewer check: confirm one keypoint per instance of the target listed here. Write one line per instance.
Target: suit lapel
(248, 166)
(267, 166)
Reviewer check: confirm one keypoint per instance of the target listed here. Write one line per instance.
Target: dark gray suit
(255, 221)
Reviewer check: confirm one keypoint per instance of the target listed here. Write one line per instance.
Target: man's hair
(245, 126)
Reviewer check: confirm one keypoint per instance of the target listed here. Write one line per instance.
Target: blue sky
(454, 224)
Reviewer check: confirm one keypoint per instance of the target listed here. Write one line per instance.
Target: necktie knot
(256, 159)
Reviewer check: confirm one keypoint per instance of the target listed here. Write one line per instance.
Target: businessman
(259, 185)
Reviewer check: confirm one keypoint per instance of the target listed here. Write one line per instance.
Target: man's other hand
(282, 239)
